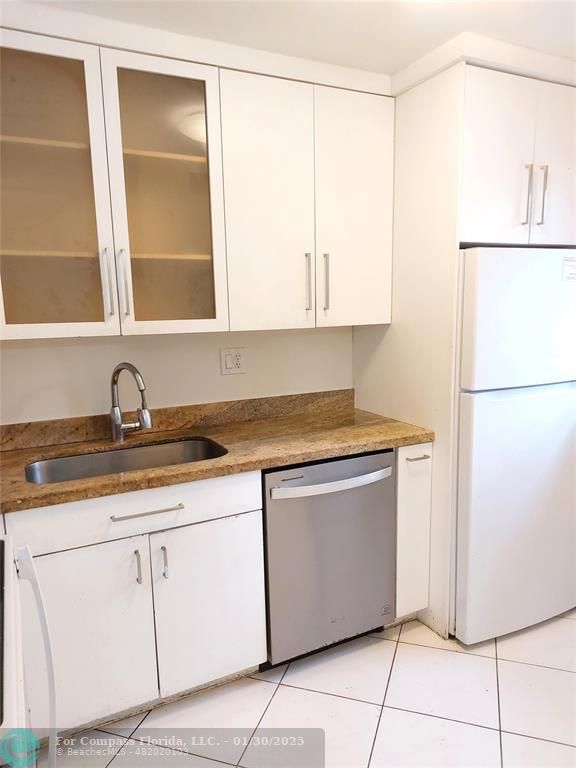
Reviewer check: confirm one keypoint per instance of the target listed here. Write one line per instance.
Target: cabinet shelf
(200, 159)
(59, 144)
(56, 143)
(93, 254)
(48, 254)
(172, 256)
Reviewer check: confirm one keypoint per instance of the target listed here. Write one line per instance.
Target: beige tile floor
(402, 698)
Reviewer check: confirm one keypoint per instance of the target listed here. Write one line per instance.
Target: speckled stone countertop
(297, 430)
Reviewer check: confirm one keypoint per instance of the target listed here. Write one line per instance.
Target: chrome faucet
(144, 417)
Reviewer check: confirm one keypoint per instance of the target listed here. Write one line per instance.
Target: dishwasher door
(330, 552)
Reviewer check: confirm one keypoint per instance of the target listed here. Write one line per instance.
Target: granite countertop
(279, 440)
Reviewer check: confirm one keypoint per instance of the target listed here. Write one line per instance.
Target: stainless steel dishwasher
(330, 531)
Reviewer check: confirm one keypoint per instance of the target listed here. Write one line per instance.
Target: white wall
(407, 371)
(45, 19)
(71, 377)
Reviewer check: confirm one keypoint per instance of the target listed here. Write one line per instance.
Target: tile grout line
(180, 751)
(486, 656)
(126, 739)
(441, 717)
(102, 728)
(540, 738)
(328, 693)
(498, 702)
(450, 650)
(262, 715)
(384, 698)
(141, 741)
(540, 666)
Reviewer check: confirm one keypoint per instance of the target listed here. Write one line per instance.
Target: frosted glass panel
(48, 238)
(166, 173)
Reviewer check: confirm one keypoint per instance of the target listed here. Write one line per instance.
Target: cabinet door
(163, 129)
(102, 629)
(354, 146)
(413, 537)
(498, 157)
(554, 202)
(268, 146)
(56, 250)
(209, 600)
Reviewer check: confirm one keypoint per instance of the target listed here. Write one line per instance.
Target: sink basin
(123, 460)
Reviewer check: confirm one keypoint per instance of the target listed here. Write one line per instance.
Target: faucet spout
(119, 427)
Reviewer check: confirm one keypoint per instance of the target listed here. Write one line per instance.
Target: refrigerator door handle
(318, 489)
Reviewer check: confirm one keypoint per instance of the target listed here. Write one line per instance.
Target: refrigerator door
(516, 539)
(519, 317)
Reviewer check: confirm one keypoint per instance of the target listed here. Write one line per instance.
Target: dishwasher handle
(319, 489)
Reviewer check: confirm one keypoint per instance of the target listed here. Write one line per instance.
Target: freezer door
(516, 540)
(519, 317)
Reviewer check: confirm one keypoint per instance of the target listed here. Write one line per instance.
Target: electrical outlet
(232, 361)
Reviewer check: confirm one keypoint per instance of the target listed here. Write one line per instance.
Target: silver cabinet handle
(297, 492)
(108, 284)
(116, 519)
(418, 458)
(530, 168)
(543, 168)
(138, 566)
(124, 264)
(308, 258)
(165, 561)
(326, 257)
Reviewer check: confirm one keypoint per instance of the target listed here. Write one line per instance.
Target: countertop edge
(325, 444)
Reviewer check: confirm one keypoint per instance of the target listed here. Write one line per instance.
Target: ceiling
(378, 36)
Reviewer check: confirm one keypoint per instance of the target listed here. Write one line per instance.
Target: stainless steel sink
(123, 460)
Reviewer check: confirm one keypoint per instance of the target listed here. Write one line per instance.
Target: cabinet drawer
(414, 473)
(78, 523)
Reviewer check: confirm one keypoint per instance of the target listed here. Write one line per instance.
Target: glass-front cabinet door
(163, 132)
(56, 249)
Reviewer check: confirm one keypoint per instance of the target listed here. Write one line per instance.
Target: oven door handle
(319, 489)
(27, 572)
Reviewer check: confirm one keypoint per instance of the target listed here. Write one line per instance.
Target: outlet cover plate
(232, 361)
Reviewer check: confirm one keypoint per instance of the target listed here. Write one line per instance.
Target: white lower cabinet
(414, 497)
(159, 612)
(208, 582)
(99, 603)
(152, 613)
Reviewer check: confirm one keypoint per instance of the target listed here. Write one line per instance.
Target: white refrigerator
(516, 518)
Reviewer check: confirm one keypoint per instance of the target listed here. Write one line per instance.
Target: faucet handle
(144, 418)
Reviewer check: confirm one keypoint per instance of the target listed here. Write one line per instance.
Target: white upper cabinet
(308, 194)
(148, 195)
(56, 246)
(519, 160)
(554, 199)
(163, 130)
(268, 151)
(498, 157)
(354, 148)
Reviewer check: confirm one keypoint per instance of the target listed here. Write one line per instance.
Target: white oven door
(13, 713)
(16, 738)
